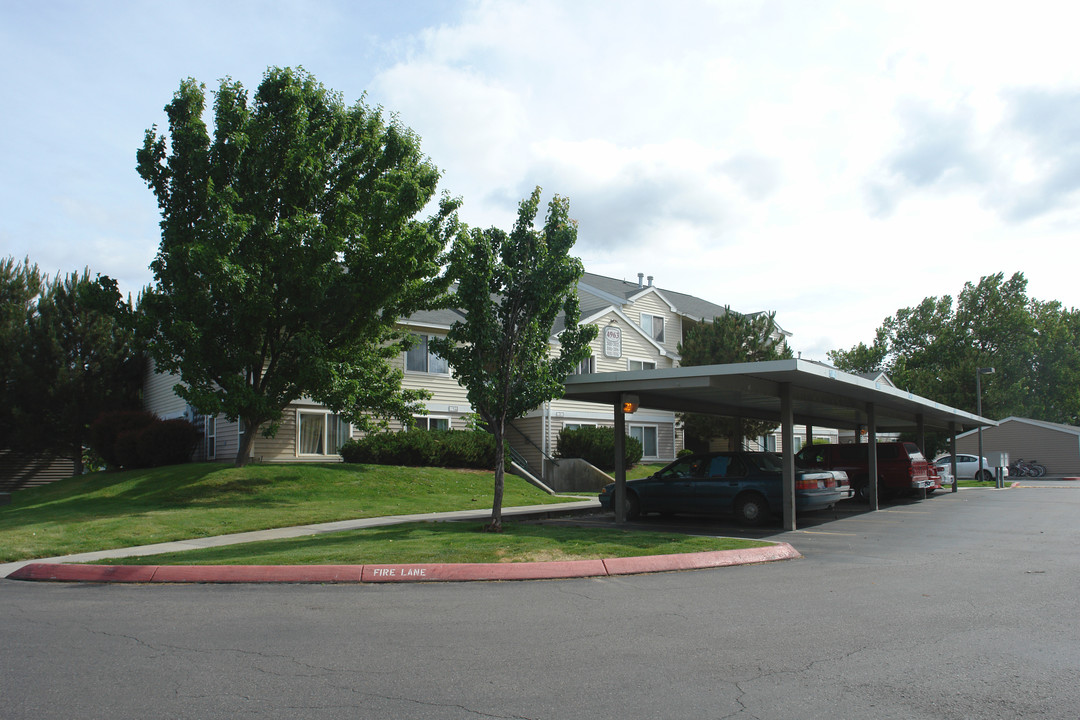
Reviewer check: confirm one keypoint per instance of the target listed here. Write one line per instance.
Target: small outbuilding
(1055, 446)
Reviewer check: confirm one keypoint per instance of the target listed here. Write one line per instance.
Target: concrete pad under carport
(783, 391)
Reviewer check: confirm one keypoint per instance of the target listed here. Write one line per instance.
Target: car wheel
(985, 476)
(752, 508)
(633, 506)
(862, 493)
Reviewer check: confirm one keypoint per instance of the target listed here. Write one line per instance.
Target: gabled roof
(598, 294)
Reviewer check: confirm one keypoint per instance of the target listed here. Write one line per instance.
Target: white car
(966, 467)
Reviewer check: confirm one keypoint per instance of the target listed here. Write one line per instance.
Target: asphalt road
(961, 606)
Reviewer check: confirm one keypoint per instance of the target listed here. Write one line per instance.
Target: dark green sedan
(747, 484)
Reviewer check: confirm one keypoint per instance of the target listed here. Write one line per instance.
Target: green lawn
(120, 509)
(448, 542)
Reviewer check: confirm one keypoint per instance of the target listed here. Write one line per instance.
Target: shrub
(596, 445)
(424, 448)
(684, 452)
(126, 448)
(167, 442)
(105, 432)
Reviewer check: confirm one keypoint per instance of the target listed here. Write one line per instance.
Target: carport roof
(821, 395)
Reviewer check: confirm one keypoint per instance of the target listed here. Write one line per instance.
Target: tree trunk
(243, 452)
(500, 462)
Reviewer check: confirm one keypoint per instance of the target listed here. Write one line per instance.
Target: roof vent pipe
(650, 281)
(640, 279)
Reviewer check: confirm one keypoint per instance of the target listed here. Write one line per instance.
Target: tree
(78, 359)
(729, 338)
(20, 287)
(935, 348)
(289, 249)
(512, 288)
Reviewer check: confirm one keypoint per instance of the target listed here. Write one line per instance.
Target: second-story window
(654, 326)
(419, 358)
(586, 366)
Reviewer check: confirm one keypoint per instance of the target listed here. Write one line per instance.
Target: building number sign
(612, 342)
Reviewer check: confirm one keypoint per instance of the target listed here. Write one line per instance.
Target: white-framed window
(210, 426)
(320, 432)
(577, 426)
(420, 358)
(640, 365)
(654, 326)
(586, 366)
(430, 422)
(647, 436)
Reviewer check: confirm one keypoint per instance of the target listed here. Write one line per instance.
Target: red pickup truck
(902, 469)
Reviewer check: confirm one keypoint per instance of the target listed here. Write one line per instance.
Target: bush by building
(596, 445)
(424, 448)
(133, 439)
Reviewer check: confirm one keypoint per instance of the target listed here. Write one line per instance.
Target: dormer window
(654, 326)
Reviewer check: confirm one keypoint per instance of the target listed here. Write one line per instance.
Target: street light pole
(979, 372)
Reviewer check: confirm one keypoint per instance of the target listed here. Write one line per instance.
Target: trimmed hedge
(424, 448)
(596, 445)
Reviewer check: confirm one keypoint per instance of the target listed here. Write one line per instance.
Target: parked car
(943, 473)
(748, 484)
(967, 466)
(902, 469)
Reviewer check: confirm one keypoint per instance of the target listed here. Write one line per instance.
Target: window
(646, 435)
(431, 423)
(319, 433)
(586, 366)
(577, 426)
(210, 425)
(640, 365)
(654, 326)
(419, 358)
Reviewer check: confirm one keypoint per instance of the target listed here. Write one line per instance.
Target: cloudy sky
(831, 161)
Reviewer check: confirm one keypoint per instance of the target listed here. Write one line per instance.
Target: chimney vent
(640, 279)
(650, 281)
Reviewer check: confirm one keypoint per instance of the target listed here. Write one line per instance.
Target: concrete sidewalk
(64, 568)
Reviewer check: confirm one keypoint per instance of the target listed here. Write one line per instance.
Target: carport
(788, 392)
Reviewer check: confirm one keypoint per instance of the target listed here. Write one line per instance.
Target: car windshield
(766, 461)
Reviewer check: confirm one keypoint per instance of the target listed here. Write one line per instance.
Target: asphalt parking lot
(960, 606)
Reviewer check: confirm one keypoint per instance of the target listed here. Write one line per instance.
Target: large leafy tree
(513, 287)
(290, 246)
(729, 338)
(935, 348)
(77, 359)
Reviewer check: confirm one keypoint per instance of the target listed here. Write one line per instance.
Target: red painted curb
(483, 571)
(432, 572)
(257, 574)
(698, 561)
(85, 573)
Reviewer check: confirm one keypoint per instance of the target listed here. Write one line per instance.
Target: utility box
(997, 459)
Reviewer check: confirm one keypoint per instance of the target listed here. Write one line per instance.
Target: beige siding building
(1056, 447)
(640, 328)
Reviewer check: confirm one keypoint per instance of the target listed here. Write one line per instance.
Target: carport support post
(920, 430)
(787, 438)
(620, 463)
(952, 452)
(871, 449)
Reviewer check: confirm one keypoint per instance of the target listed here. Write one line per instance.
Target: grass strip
(105, 510)
(448, 542)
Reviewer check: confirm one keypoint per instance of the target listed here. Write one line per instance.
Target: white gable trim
(656, 291)
(595, 318)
